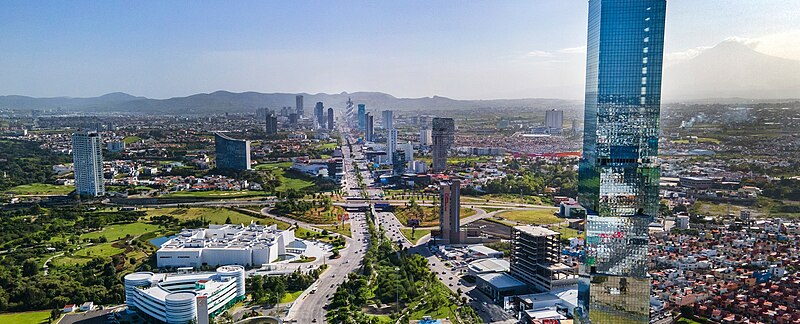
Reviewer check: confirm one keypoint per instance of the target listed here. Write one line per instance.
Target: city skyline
(524, 49)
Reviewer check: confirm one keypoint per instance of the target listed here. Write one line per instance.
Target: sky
(458, 49)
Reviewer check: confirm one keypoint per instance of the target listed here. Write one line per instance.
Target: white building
(554, 119)
(408, 150)
(251, 246)
(88, 157)
(391, 144)
(682, 221)
(183, 298)
(426, 137)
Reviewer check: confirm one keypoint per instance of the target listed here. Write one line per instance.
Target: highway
(309, 305)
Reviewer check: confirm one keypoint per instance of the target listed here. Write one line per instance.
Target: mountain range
(727, 73)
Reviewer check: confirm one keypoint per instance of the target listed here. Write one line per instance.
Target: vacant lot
(41, 189)
(534, 216)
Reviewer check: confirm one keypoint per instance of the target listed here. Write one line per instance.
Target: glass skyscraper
(619, 173)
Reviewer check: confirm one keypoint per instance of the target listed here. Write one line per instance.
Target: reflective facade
(231, 154)
(442, 133)
(362, 120)
(619, 174)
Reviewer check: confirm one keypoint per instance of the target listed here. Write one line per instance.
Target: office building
(554, 120)
(231, 154)
(398, 163)
(425, 137)
(619, 174)
(184, 297)
(443, 132)
(362, 117)
(450, 212)
(293, 119)
(115, 146)
(298, 106)
(272, 123)
(330, 118)
(388, 119)
(369, 127)
(535, 259)
(391, 144)
(319, 114)
(87, 156)
(250, 246)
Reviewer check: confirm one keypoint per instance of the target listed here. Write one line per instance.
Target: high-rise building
(619, 173)
(535, 259)
(362, 114)
(388, 119)
(330, 118)
(298, 105)
(450, 211)
(232, 154)
(425, 137)
(443, 132)
(319, 114)
(369, 127)
(391, 144)
(262, 113)
(554, 120)
(408, 150)
(293, 119)
(87, 155)
(272, 123)
(398, 162)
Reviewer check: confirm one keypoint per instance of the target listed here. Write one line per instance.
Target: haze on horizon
(462, 50)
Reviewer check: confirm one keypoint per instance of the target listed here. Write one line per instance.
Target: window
(644, 80)
(647, 29)
(644, 60)
(644, 91)
(644, 70)
(647, 39)
(645, 50)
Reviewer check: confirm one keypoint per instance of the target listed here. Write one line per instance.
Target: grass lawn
(381, 319)
(533, 217)
(25, 317)
(685, 320)
(86, 254)
(41, 189)
(535, 200)
(131, 139)
(213, 215)
(291, 182)
(344, 230)
(418, 234)
(328, 146)
(467, 212)
(290, 296)
(565, 231)
(319, 215)
(215, 194)
(491, 209)
(119, 231)
(274, 165)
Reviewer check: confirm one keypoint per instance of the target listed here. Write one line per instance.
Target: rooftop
(501, 280)
(536, 230)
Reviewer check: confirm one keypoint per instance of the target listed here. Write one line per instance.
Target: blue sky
(459, 49)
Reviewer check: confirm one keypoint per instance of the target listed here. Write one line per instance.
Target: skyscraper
(391, 144)
(619, 173)
(442, 130)
(319, 114)
(298, 105)
(369, 127)
(272, 123)
(362, 113)
(425, 137)
(330, 118)
(388, 119)
(87, 156)
(450, 211)
(231, 154)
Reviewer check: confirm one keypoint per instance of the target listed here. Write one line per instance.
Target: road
(309, 306)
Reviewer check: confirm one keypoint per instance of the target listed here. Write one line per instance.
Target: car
(451, 284)
(451, 278)
(314, 320)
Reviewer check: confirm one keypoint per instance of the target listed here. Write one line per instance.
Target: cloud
(573, 50)
(538, 53)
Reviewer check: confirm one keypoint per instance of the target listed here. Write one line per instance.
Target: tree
(30, 268)
(228, 220)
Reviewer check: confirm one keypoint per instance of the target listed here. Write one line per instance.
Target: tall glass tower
(619, 173)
